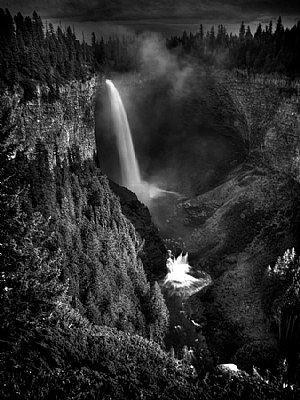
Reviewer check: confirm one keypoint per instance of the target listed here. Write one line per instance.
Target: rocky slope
(240, 226)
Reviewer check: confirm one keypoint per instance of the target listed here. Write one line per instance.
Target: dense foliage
(282, 298)
(284, 278)
(65, 245)
(66, 357)
(100, 251)
(115, 53)
(268, 50)
(31, 52)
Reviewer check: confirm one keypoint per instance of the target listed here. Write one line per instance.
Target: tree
(159, 314)
(184, 40)
(37, 26)
(270, 30)
(279, 27)
(242, 31)
(8, 48)
(221, 36)
(258, 32)
(28, 32)
(43, 190)
(248, 35)
(211, 37)
(93, 40)
(94, 196)
(201, 32)
(19, 22)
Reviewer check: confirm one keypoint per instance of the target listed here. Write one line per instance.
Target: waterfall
(130, 172)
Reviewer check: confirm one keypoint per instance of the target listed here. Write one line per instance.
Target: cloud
(128, 9)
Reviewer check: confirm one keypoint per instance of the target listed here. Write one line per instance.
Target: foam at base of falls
(148, 191)
(180, 281)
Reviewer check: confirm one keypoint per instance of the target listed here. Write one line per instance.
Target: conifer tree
(242, 31)
(159, 315)
(212, 37)
(279, 26)
(201, 32)
(258, 32)
(270, 30)
(248, 35)
(38, 31)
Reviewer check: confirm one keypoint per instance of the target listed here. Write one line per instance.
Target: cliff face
(61, 123)
(271, 111)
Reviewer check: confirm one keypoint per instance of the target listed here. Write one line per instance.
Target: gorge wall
(240, 226)
(61, 122)
(271, 110)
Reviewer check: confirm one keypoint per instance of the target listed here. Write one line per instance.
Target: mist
(177, 123)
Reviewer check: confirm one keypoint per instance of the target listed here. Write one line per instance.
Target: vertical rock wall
(60, 124)
(271, 109)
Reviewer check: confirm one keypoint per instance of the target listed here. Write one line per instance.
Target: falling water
(131, 176)
(130, 172)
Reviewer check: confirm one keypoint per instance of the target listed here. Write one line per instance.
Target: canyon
(239, 180)
(231, 148)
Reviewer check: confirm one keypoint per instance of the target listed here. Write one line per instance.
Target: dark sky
(167, 17)
(93, 10)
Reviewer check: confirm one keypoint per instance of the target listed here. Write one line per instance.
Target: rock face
(60, 124)
(271, 110)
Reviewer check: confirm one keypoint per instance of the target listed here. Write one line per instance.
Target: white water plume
(129, 167)
(179, 280)
(130, 172)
